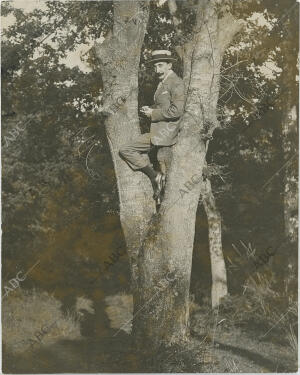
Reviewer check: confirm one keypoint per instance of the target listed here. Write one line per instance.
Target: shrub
(32, 318)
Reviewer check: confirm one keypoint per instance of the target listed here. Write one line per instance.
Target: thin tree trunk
(290, 150)
(290, 190)
(289, 135)
(218, 269)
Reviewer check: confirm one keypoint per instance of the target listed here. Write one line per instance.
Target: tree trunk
(219, 287)
(290, 191)
(119, 57)
(161, 309)
(218, 270)
(289, 136)
(290, 150)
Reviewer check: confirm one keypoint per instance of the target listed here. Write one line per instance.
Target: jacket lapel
(160, 85)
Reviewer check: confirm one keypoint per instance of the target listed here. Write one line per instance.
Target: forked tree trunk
(119, 57)
(161, 309)
(162, 279)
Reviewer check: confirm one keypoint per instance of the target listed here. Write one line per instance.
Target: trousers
(135, 153)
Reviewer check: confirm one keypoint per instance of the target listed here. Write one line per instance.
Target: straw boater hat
(161, 55)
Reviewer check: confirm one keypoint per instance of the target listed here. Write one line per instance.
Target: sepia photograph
(149, 154)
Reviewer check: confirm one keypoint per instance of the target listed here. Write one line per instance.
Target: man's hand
(147, 111)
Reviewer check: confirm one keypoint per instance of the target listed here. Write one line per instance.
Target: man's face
(162, 68)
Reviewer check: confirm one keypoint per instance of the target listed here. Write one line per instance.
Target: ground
(211, 348)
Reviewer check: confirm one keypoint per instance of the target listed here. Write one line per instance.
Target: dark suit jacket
(168, 107)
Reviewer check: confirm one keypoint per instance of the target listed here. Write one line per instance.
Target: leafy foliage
(58, 177)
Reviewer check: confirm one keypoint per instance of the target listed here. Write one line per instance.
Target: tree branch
(173, 9)
(176, 21)
(228, 27)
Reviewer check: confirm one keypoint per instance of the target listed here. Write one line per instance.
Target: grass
(262, 311)
(31, 319)
(119, 309)
(292, 339)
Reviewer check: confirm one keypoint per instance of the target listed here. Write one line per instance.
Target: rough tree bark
(290, 150)
(161, 309)
(219, 287)
(290, 188)
(219, 278)
(119, 58)
(161, 269)
(289, 133)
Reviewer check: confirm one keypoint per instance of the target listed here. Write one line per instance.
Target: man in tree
(165, 115)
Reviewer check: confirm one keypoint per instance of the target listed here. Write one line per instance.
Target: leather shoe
(160, 181)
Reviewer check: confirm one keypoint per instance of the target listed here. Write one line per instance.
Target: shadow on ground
(88, 355)
(115, 354)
